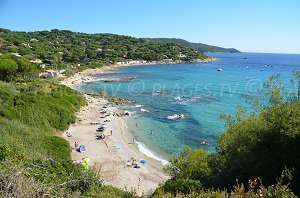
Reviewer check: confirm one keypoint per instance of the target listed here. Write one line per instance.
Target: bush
(57, 148)
(184, 186)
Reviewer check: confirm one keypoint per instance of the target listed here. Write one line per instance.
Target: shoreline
(88, 75)
(110, 157)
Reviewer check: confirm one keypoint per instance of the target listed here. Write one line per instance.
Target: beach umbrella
(142, 161)
(82, 148)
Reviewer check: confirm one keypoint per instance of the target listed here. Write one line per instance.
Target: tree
(7, 67)
(26, 69)
(260, 144)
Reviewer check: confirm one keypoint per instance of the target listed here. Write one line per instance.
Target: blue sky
(248, 25)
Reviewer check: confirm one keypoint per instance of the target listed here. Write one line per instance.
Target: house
(44, 75)
(34, 39)
(16, 54)
(131, 62)
(168, 60)
(38, 61)
(121, 63)
(49, 73)
(181, 55)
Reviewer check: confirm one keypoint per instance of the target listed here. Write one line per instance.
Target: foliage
(12, 67)
(261, 144)
(33, 161)
(196, 46)
(190, 164)
(238, 191)
(63, 48)
(57, 147)
(184, 186)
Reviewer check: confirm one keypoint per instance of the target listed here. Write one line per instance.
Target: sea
(178, 105)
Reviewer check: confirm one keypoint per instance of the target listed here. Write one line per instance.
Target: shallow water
(198, 91)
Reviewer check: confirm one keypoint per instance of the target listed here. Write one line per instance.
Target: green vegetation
(12, 68)
(34, 160)
(62, 48)
(261, 145)
(196, 46)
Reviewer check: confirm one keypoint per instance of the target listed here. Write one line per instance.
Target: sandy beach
(111, 155)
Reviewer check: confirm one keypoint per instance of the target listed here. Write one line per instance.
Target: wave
(185, 100)
(150, 154)
(138, 106)
(144, 110)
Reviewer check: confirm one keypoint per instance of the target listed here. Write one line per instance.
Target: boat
(219, 69)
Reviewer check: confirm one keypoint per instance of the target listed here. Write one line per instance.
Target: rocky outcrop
(112, 99)
(118, 79)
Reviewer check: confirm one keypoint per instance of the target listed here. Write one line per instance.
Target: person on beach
(68, 134)
(111, 132)
(76, 145)
(136, 124)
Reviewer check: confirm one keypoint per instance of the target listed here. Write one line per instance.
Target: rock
(118, 79)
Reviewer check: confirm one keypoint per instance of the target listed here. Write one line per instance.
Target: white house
(49, 73)
(38, 61)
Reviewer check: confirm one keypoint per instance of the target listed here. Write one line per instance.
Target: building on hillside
(121, 63)
(38, 61)
(181, 55)
(131, 62)
(168, 60)
(16, 54)
(49, 73)
(34, 40)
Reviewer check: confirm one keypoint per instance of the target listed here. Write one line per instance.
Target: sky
(270, 26)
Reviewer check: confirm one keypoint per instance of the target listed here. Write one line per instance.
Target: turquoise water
(198, 91)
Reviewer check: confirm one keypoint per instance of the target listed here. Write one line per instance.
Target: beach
(112, 155)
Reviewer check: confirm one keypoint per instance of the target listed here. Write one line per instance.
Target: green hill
(197, 46)
(63, 46)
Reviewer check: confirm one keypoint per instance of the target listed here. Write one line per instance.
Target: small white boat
(219, 69)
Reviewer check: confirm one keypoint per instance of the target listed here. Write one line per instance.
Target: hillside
(197, 46)
(66, 47)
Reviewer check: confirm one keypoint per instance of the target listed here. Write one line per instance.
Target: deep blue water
(198, 91)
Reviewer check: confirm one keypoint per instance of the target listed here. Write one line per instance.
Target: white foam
(144, 110)
(138, 106)
(177, 98)
(148, 153)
